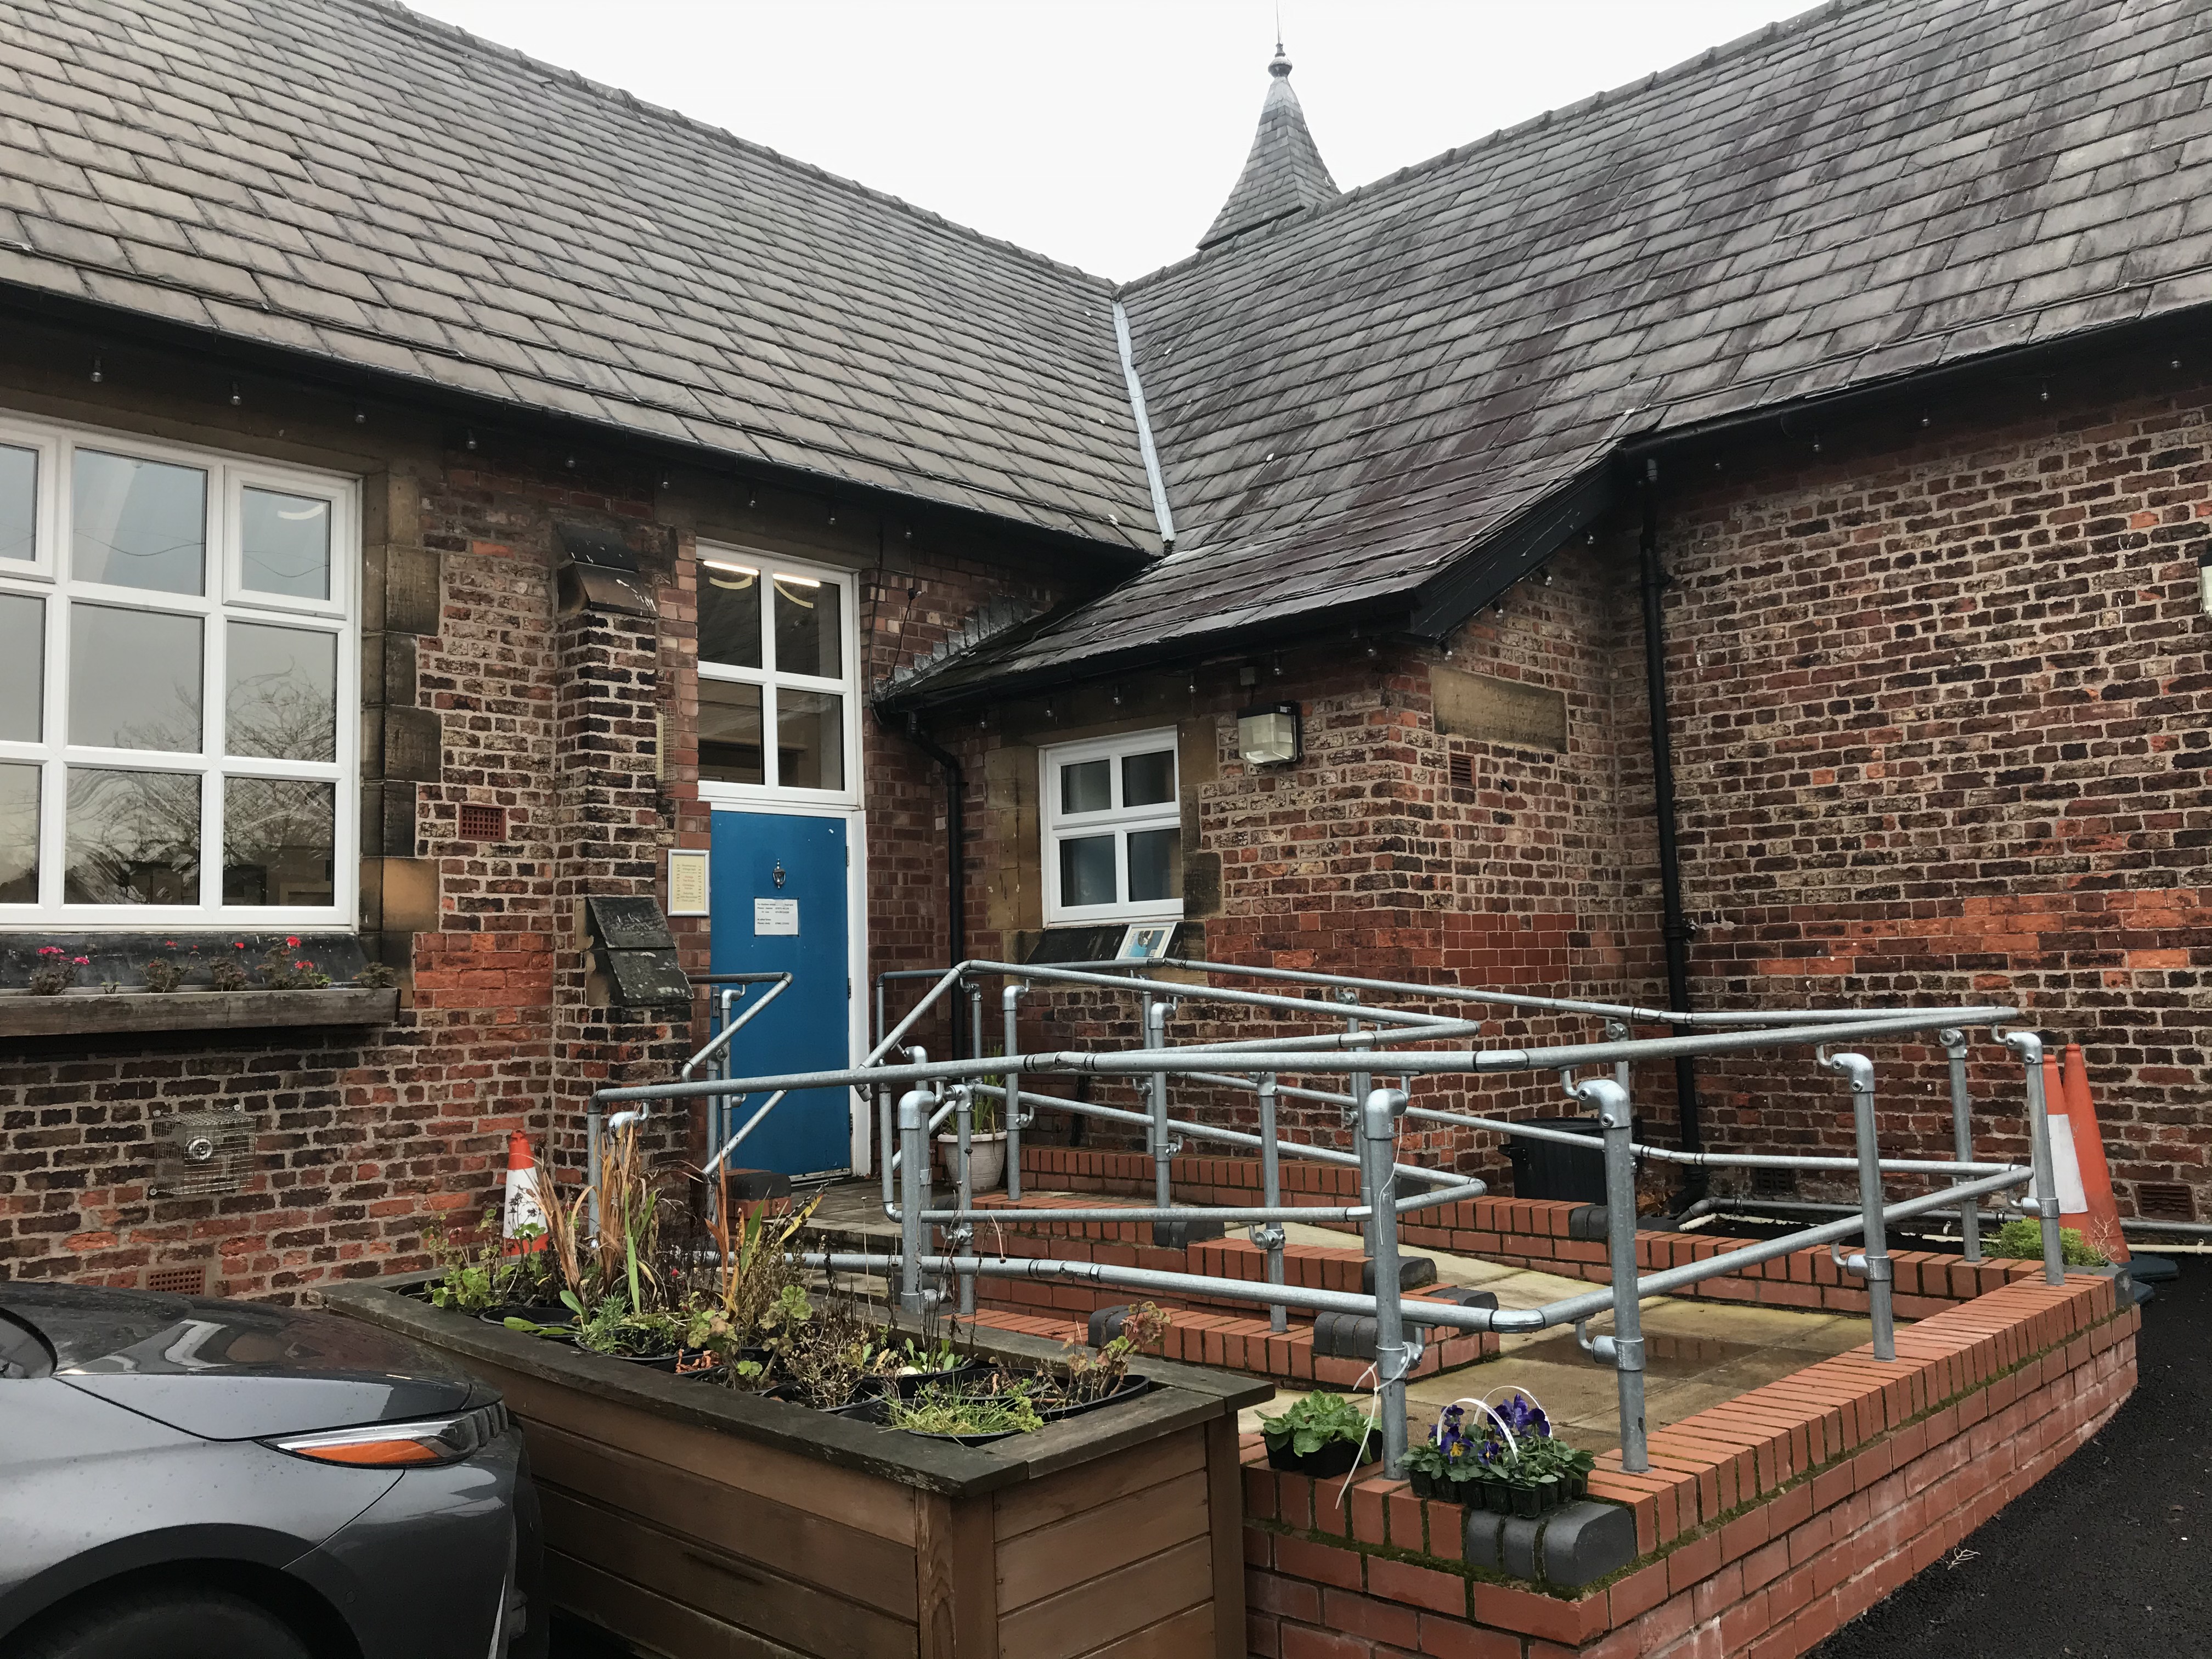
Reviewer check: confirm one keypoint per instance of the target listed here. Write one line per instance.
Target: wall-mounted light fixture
(2205, 580)
(1270, 734)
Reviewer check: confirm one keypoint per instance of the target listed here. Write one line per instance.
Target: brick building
(427, 478)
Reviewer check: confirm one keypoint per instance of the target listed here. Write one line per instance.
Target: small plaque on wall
(686, 883)
(1510, 712)
(776, 917)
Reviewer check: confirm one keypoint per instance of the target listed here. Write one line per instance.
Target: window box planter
(688, 1518)
(90, 1012)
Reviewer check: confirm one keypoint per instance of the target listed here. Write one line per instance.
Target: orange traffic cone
(2077, 1156)
(525, 1201)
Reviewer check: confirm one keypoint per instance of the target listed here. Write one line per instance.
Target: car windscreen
(81, 1323)
(23, 1353)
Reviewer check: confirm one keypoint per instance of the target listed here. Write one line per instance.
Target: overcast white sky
(1103, 132)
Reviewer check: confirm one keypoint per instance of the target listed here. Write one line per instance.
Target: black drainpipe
(956, 869)
(1674, 926)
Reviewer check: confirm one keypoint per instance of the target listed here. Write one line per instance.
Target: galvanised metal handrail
(937, 1090)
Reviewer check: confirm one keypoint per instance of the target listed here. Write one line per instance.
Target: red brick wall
(1765, 1523)
(1941, 704)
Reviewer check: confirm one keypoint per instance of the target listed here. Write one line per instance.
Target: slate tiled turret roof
(1355, 402)
(346, 178)
(1283, 174)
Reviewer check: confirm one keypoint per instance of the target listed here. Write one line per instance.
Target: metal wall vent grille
(2161, 1200)
(1463, 772)
(202, 1154)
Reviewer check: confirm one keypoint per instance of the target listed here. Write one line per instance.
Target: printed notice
(687, 884)
(776, 917)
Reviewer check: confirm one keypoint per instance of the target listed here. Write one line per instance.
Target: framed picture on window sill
(1147, 941)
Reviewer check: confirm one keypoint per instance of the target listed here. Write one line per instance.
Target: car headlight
(401, 1445)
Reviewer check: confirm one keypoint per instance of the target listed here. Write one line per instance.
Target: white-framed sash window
(179, 711)
(779, 648)
(1113, 830)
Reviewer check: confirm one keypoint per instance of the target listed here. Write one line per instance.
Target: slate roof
(1283, 174)
(345, 178)
(1350, 400)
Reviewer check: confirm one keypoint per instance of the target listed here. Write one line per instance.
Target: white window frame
(770, 679)
(1120, 820)
(48, 577)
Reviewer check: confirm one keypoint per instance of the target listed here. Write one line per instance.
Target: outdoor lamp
(2205, 580)
(1268, 735)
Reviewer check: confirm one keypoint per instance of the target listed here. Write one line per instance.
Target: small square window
(1113, 830)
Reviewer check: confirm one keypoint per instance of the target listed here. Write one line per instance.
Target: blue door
(778, 905)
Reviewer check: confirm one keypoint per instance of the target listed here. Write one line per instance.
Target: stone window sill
(81, 1014)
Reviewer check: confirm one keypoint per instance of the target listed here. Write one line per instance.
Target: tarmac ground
(2111, 1556)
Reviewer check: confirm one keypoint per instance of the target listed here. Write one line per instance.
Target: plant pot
(878, 1411)
(1497, 1498)
(987, 1159)
(914, 1383)
(1338, 1457)
(1129, 1388)
(1428, 1486)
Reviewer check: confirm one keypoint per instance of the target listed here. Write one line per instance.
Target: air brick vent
(2161, 1200)
(480, 822)
(1463, 772)
(177, 1281)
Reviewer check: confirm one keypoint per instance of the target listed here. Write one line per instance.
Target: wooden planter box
(693, 1522)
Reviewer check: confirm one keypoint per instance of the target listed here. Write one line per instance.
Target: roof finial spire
(1281, 65)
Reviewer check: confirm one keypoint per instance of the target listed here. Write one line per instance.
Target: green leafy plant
(283, 970)
(162, 976)
(483, 1275)
(2022, 1238)
(949, 1408)
(376, 976)
(1317, 1420)
(612, 1326)
(1095, 1376)
(885, 1357)
(228, 973)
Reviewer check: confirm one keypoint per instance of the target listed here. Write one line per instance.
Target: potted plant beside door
(986, 1149)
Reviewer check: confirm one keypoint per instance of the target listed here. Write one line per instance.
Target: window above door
(778, 659)
(178, 713)
(1113, 830)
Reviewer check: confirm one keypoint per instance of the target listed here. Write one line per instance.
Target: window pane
(19, 502)
(1155, 864)
(729, 615)
(1147, 779)
(19, 835)
(810, 740)
(22, 665)
(134, 838)
(138, 524)
(729, 733)
(134, 679)
(284, 544)
(807, 632)
(277, 842)
(282, 698)
(1086, 787)
(1086, 870)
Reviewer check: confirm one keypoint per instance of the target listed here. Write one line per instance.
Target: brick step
(1558, 1237)
(1332, 1349)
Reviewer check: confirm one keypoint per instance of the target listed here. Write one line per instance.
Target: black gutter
(1674, 926)
(955, 861)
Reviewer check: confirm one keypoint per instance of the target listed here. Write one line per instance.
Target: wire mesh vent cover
(202, 1154)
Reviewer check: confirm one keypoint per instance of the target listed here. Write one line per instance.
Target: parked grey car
(188, 1479)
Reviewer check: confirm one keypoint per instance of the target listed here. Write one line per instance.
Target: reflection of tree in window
(19, 835)
(133, 837)
(282, 698)
(276, 842)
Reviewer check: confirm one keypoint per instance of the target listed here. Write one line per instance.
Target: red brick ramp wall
(1766, 1522)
